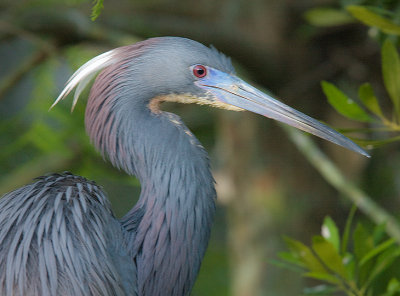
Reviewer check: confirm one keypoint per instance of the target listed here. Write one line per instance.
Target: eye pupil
(199, 71)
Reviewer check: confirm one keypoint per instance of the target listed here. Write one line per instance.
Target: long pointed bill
(233, 91)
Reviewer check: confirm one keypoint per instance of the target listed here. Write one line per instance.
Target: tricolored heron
(58, 236)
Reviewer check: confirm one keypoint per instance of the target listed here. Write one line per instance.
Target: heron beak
(232, 90)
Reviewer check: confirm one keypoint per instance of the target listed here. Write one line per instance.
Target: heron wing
(58, 236)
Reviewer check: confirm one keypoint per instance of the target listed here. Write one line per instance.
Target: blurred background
(266, 187)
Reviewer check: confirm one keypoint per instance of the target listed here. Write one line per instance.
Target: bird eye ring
(199, 71)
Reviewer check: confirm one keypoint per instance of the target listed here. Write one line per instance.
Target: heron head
(190, 72)
(182, 70)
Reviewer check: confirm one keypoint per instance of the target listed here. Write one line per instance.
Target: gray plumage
(58, 236)
(50, 231)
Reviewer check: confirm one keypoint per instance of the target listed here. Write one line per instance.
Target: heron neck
(169, 227)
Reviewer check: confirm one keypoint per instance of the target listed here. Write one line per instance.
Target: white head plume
(84, 75)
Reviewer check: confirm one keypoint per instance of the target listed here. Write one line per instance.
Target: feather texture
(50, 230)
(58, 235)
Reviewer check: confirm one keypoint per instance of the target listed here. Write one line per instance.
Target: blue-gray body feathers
(58, 236)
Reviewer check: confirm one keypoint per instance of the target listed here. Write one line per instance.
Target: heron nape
(58, 235)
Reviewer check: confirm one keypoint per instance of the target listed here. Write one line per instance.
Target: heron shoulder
(58, 236)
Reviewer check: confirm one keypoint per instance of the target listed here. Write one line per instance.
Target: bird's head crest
(81, 78)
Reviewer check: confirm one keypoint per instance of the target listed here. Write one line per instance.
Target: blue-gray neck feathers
(169, 228)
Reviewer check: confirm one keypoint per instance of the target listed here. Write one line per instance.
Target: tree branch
(335, 177)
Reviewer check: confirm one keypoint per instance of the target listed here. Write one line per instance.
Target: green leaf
(326, 277)
(289, 266)
(305, 255)
(96, 9)
(363, 242)
(393, 287)
(350, 264)
(291, 258)
(372, 19)
(329, 255)
(377, 250)
(367, 96)
(346, 232)
(391, 73)
(383, 262)
(379, 233)
(330, 232)
(326, 17)
(343, 104)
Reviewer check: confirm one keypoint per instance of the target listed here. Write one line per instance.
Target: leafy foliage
(343, 104)
(379, 15)
(368, 108)
(370, 18)
(326, 17)
(354, 263)
(391, 73)
(373, 13)
(98, 6)
(362, 260)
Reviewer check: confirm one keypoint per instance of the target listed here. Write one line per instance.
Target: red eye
(199, 71)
